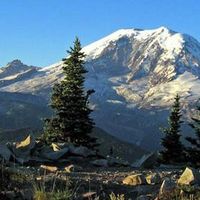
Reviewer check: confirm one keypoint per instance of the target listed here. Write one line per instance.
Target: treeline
(174, 151)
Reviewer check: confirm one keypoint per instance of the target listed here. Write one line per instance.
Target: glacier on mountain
(135, 73)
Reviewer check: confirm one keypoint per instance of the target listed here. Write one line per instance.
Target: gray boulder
(136, 179)
(53, 153)
(81, 151)
(73, 168)
(100, 163)
(47, 168)
(153, 179)
(24, 147)
(190, 176)
(21, 151)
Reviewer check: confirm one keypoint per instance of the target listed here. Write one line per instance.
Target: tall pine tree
(193, 152)
(72, 121)
(173, 150)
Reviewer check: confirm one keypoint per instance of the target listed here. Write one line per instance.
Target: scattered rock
(89, 195)
(32, 152)
(72, 168)
(189, 177)
(69, 169)
(24, 148)
(49, 168)
(137, 179)
(167, 187)
(28, 143)
(39, 178)
(153, 179)
(55, 147)
(54, 155)
(82, 151)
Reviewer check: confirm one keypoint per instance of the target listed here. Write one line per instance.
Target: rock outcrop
(137, 179)
(32, 152)
(153, 179)
(190, 176)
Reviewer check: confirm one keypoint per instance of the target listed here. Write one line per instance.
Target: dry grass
(117, 197)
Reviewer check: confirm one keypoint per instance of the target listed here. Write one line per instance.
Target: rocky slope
(135, 73)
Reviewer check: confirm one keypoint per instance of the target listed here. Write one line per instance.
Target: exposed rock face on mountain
(14, 68)
(136, 74)
(15, 71)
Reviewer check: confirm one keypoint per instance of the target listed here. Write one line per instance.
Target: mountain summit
(136, 74)
(14, 68)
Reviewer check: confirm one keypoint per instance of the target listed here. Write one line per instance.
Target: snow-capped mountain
(135, 73)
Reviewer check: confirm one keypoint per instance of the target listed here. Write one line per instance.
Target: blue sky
(40, 31)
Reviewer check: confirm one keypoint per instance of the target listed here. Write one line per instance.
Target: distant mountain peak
(163, 28)
(15, 67)
(17, 63)
(14, 63)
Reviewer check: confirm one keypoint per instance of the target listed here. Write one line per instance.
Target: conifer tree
(193, 152)
(173, 150)
(72, 121)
